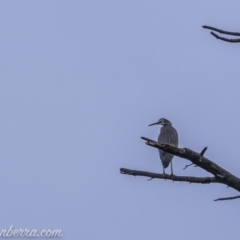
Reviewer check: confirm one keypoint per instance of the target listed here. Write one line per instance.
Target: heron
(168, 134)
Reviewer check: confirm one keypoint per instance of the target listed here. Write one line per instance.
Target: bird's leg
(163, 172)
(171, 169)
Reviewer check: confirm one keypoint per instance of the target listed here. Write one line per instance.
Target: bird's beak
(153, 124)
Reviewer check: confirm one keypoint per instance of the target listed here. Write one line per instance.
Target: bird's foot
(171, 175)
(164, 175)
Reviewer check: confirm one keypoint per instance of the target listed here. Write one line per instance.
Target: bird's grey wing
(173, 137)
(168, 135)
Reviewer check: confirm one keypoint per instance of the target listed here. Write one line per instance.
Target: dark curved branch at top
(220, 175)
(236, 40)
(222, 31)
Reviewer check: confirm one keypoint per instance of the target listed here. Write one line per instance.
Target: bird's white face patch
(161, 121)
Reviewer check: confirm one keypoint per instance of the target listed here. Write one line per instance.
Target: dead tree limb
(189, 179)
(236, 40)
(220, 175)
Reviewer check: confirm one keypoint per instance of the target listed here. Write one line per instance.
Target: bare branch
(220, 175)
(222, 31)
(203, 151)
(236, 40)
(188, 165)
(189, 179)
(195, 158)
(227, 198)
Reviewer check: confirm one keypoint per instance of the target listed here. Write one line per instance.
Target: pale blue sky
(79, 83)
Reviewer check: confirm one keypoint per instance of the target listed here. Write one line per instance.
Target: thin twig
(227, 198)
(222, 31)
(203, 151)
(188, 165)
(236, 40)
